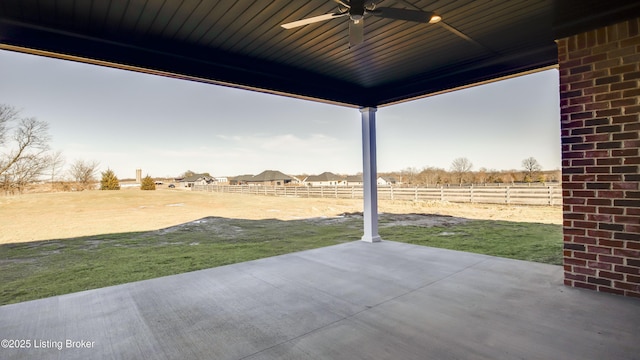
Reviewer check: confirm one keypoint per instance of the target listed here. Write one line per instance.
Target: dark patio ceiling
(241, 43)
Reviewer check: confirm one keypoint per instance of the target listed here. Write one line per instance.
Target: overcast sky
(126, 120)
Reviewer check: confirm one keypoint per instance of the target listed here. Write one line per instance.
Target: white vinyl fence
(516, 194)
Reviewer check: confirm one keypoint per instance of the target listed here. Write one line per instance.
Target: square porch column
(600, 123)
(369, 175)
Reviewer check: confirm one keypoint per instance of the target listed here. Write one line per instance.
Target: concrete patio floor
(351, 301)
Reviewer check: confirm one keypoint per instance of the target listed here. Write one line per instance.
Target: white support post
(369, 174)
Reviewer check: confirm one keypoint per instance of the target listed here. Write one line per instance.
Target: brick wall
(600, 107)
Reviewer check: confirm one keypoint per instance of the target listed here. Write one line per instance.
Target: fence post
(416, 194)
(550, 196)
(391, 192)
(508, 194)
(336, 191)
(471, 194)
(441, 193)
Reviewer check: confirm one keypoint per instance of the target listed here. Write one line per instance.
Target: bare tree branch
(84, 173)
(55, 162)
(7, 115)
(531, 167)
(31, 138)
(460, 167)
(22, 156)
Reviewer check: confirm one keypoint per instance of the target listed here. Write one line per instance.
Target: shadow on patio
(351, 301)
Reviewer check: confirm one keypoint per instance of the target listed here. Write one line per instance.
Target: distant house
(221, 179)
(325, 179)
(354, 180)
(197, 179)
(272, 178)
(240, 180)
(387, 180)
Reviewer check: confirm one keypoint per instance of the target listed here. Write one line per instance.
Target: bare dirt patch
(33, 217)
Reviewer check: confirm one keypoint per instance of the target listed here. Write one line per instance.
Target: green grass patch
(47, 268)
(514, 240)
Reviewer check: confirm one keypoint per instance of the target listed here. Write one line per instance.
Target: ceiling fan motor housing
(356, 12)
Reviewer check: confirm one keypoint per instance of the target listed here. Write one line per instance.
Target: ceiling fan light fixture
(435, 18)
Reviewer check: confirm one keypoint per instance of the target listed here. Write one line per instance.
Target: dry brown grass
(32, 217)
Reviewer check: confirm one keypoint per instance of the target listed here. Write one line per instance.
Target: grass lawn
(515, 240)
(41, 269)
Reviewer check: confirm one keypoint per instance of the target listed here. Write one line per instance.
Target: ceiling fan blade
(405, 14)
(342, 3)
(455, 31)
(461, 34)
(312, 20)
(356, 32)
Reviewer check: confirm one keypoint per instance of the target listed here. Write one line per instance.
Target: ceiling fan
(357, 9)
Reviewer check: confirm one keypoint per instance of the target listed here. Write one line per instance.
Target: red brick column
(600, 107)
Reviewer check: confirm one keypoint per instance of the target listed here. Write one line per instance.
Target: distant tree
(23, 155)
(188, 173)
(109, 181)
(431, 175)
(409, 175)
(23, 172)
(83, 173)
(555, 175)
(508, 176)
(56, 163)
(148, 183)
(460, 167)
(493, 176)
(531, 168)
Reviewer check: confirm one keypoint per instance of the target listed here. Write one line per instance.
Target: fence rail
(516, 195)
